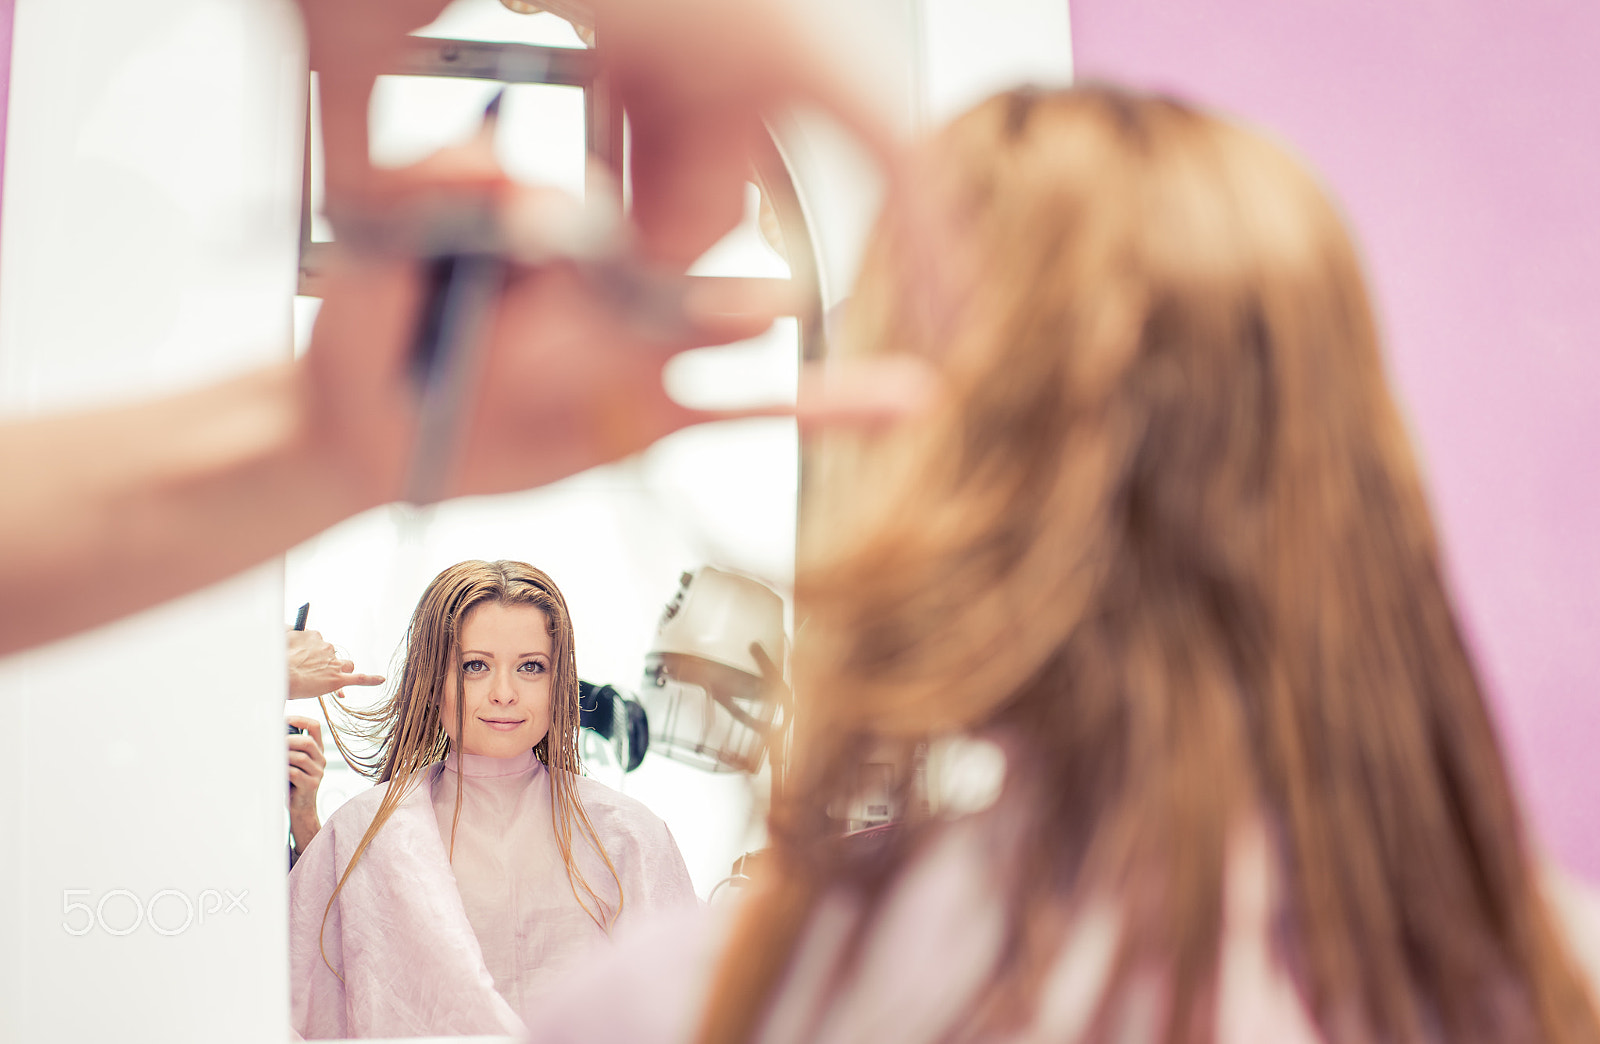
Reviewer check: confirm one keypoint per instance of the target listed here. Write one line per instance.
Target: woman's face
(504, 663)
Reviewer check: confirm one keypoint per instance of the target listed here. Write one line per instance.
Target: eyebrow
(490, 655)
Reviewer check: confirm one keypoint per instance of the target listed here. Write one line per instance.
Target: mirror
(618, 540)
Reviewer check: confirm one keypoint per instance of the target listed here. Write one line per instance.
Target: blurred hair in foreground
(1165, 540)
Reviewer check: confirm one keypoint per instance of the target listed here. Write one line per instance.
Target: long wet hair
(409, 727)
(1165, 534)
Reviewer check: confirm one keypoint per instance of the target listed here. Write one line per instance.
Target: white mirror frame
(149, 234)
(148, 243)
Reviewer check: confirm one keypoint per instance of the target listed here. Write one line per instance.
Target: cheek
(543, 698)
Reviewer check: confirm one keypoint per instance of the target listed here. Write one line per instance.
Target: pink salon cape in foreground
(429, 945)
(922, 965)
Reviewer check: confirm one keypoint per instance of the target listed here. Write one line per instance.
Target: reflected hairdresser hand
(306, 765)
(316, 668)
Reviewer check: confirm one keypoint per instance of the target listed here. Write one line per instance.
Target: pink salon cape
(927, 959)
(428, 945)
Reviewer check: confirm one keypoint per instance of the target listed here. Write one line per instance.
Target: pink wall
(1463, 140)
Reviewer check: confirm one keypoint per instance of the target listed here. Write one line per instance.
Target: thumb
(855, 393)
(865, 392)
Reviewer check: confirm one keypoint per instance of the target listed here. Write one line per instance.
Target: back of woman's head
(1165, 538)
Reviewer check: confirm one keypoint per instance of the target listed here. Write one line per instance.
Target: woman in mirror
(1164, 542)
(483, 862)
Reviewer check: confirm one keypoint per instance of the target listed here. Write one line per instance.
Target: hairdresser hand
(566, 382)
(238, 471)
(316, 668)
(698, 77)
(350, 43)
(695, 76)
(306, 765)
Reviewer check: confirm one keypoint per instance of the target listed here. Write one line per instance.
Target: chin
(505, 745)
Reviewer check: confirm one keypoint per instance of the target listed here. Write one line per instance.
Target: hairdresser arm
(144, 503)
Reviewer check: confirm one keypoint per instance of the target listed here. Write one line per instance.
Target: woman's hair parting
(409, 731)
(1164, 538)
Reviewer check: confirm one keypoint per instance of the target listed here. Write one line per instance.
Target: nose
(501, 691)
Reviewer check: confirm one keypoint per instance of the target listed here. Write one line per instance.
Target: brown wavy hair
(1165, 534)
(409, 728)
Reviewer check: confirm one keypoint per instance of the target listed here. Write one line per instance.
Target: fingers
(854, 394)
(307, 752)
(304, 645)
(349, 45)
(648, 313)
(316, 668)
(724, 310)
(697, 78)
(312, 726)
(351, 678)
(688, 179)
(864, 392)
(305, 763)
(449, 176)
(310, 655)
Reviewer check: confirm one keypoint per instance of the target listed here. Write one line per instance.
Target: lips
(503, 724)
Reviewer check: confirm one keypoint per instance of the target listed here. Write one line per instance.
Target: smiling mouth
(502, 724)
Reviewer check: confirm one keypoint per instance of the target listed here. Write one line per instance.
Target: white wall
(149, 242)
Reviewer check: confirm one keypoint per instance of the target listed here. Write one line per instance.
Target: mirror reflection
(483, 848)
(540, 715)
(486, 810)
